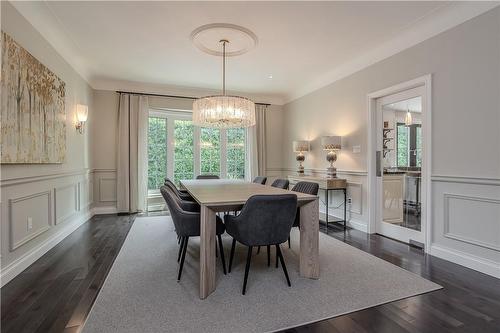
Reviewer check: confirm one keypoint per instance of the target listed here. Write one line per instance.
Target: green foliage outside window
(157, 152)
(236, 153)
(210, 151)
(402, 145)
(183, 150)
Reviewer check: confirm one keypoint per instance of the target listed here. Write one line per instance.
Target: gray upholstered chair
(207, 177)
(184, 195)
(187, 224)
(281, 183)
(303, 187)
(260, 180)
(264, 220)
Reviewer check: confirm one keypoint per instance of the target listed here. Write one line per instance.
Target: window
(157, 152)
(179, 150)
(236, 153)
(409, 145)
(210, 151)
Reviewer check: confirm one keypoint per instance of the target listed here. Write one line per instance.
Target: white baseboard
(20, 264)
(104, 210)
(470, 261)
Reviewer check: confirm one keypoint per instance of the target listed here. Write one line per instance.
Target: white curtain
(256, 145)
(131, 180)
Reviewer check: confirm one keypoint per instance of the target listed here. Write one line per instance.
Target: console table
(326, 184)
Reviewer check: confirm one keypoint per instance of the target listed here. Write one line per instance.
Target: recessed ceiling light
(270, 76)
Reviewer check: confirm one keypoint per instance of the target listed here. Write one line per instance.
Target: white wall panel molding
(32, 179)
(107, 189)
(66, 203)
(38, 208)
(466, 180)
(482, 208)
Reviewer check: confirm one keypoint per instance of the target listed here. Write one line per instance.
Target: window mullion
(223, 153)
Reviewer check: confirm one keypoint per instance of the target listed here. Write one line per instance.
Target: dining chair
(260, 180)
(184, 195)
(207, 177)
(307, 188)
(264, 220)
(187, 224)
(281, 183)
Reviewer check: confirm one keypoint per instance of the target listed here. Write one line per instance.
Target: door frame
(425, 82)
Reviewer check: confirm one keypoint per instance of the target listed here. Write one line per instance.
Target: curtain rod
(171, 96)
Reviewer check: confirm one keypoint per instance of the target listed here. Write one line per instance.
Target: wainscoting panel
(460, 208)
(66, 202)
(466, 222)
(37, 212)
(29, 217)
(104, 196)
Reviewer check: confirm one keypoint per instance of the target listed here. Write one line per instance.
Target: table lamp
(300, 147)
(331, 144)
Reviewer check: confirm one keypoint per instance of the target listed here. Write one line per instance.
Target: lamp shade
(300, 146)
(331, 142)
(82, 112)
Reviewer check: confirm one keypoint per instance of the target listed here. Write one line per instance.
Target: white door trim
(426, 82)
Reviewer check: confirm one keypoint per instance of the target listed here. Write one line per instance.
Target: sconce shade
(82, 112)
(331, 142)
(300, 146)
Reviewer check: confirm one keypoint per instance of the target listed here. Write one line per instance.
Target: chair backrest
(266, 219)
(281, 183)
(207, 177)
(306, 187)
(260, 180)
(186, 223)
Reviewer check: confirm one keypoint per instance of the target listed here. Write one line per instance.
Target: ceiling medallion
(224, 111)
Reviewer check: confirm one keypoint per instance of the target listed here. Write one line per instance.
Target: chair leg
(283, 264)
(233, 245)
(277, 258)
(289, 246)
(258, 250)
(216, 251)
(268, 255)
(221, 250)
(181, 247)
(247, 268)
(184, 250)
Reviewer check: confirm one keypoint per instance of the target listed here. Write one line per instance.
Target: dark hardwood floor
(56, 293)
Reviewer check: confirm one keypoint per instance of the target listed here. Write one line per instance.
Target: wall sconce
(408, 119)
(300, 147)
(82, 112)
(332, 144)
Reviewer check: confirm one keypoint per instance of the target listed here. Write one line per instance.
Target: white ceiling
(303, 45)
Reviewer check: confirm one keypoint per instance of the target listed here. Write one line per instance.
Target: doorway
(400, 151)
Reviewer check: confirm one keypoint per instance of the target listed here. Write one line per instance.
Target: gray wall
(465, 67)
(56, 196)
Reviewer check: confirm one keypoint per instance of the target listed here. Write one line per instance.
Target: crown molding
(441, 20)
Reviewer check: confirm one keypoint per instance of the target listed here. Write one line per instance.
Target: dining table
(224, 195)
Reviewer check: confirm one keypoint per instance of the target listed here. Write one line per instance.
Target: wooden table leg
(309, 240)
(207, 252)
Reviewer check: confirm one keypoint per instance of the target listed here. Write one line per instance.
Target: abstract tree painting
(33, 114)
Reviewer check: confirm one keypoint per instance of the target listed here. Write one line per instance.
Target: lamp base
(300, 170)
(331, 172)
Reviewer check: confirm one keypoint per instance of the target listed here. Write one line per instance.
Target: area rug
(141, 292)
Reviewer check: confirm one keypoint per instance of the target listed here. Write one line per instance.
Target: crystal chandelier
(223, 111)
